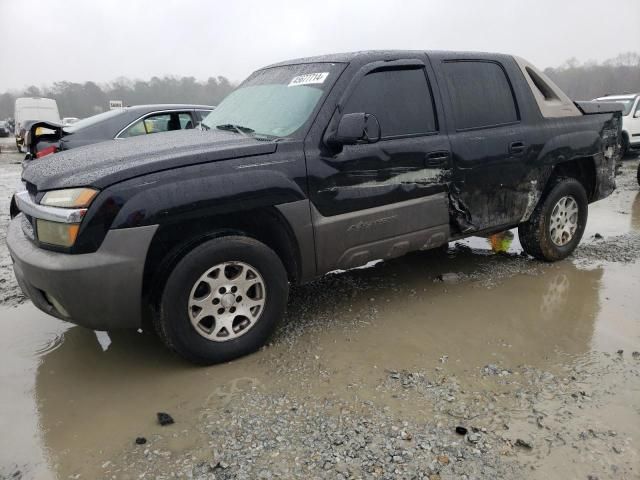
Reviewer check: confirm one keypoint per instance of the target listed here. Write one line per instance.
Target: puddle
(27, 336)
(74, 400)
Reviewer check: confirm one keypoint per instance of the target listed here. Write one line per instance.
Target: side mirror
(637, 114)
(356, 128)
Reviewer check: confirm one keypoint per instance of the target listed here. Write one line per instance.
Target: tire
(191, 285)
(638, 174)
(625, 146)
(538, 236)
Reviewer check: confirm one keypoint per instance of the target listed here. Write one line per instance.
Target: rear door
(487, 142)
(381, 200)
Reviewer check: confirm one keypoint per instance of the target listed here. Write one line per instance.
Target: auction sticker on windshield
(309, 79)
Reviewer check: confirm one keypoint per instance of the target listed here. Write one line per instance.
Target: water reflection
(420, 319)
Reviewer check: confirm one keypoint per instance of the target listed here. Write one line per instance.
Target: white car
(630, 118)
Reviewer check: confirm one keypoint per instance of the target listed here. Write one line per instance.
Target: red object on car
(46, 151)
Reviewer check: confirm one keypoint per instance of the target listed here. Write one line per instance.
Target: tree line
(591, 79)
(580, 81)
(88, 98)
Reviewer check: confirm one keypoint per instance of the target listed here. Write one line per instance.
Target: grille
(27, 227)
(32, 189)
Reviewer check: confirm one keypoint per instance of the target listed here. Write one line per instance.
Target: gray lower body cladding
(298, 215)
(355, 238)
(100, 290)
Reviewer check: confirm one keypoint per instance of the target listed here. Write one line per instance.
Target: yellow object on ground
(500, 242)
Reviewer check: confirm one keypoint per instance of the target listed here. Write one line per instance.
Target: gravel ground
(10, 168)
(504, 429)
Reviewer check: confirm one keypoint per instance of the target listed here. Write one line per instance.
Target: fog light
(55, 233)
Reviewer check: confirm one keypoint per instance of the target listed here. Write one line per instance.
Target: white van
(33, 108)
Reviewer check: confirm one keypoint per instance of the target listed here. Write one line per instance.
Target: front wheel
(222, 300)
(557, 224)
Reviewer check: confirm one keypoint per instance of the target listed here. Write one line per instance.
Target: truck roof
(367, 56)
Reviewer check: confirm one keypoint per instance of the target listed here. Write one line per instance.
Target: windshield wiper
(236, 128)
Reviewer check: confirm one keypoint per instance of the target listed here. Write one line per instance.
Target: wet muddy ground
(368, 377)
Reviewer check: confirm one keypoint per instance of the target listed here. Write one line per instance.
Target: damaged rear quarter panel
(494, 193)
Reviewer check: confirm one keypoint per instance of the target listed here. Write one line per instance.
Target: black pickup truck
(309, 166)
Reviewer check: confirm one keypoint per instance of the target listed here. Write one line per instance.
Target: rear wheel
(558, 222)
(223, 300)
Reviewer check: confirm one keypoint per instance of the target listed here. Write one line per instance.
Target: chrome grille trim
(55, 214)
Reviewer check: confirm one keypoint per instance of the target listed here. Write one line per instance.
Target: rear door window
(400, 99)
(186, 121)
(161, 122)
(480, 93)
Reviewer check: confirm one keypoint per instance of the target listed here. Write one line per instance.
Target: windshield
(276, 102)
(87, 122)
(626, 103)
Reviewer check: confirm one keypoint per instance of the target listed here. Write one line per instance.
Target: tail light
(46, 151)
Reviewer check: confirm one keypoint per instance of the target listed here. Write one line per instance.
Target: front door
(380, 200)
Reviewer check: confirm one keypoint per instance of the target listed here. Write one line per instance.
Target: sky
(43, 41)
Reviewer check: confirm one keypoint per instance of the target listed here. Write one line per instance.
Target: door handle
(438, 159)
(517, 147)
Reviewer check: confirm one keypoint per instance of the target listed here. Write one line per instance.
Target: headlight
(63, 233)
(69, 198)
(56, 233)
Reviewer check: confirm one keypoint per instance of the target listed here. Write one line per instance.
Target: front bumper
(100, 290)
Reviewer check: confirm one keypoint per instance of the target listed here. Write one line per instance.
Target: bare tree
(590, 80)
(89, 98)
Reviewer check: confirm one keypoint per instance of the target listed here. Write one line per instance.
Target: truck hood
(103, 164)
